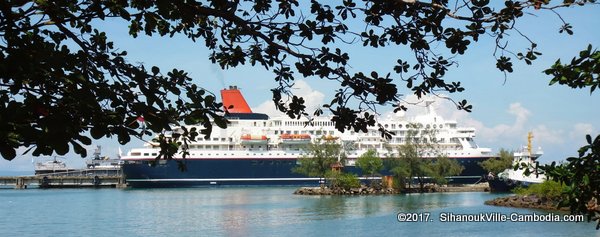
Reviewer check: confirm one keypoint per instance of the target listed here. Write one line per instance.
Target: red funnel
(233, 96)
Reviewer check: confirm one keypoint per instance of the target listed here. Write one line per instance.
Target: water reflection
(268, 211)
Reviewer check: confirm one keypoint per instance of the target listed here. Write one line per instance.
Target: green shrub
(344, 180)
(348, 181)
(548, 189)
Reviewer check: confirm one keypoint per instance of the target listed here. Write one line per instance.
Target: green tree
(322, 154)
(411, 162)
(443, 167)
(370, 163)
(503, 161)
(581, 174)
(65, 82)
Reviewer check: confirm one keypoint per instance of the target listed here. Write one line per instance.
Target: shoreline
(366, 190)
(527, 201)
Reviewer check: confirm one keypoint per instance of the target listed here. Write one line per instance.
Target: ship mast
(529, 138)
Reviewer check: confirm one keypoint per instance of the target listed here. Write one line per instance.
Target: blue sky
(504, 111)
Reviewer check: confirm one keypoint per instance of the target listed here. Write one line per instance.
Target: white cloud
(545, 135)
(504, 131)
(313, 99)
(581, 129)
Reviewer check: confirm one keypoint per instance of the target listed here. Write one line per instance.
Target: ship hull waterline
(248, 172)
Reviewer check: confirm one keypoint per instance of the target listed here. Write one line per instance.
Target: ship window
(154, 154)
(276, 132)
(265, 124)
(135, 154)
(146, 154)
(223, 139)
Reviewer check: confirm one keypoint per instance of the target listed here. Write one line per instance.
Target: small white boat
(51, 166)
(510, 178)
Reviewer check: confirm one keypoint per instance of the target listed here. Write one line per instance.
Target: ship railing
(85, 172)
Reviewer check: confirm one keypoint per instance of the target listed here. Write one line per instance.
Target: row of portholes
(435, 126)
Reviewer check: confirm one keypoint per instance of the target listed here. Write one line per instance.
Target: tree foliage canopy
(370, 163)
(62, 78)
(500, 163)
(443, 167)
(321, 156)
(581, 175)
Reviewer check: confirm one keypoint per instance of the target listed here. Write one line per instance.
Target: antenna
(97, 152)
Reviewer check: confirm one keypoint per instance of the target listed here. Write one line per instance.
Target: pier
(87, 178)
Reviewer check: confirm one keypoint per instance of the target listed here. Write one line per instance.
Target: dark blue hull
(501, 186)
(214, 172)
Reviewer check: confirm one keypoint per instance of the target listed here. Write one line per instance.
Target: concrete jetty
(54, 181)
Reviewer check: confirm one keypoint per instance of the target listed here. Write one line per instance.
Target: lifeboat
(295, 138)
(253, 139)
(329, 138)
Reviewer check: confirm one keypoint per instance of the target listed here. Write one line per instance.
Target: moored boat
(257, 150)
(511, 178)
(51, 167)
(103, 165)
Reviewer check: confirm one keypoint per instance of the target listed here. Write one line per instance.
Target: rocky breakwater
(379, 189)
(362, 190)
(528, 201)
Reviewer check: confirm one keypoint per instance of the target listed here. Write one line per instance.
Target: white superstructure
(282, 137)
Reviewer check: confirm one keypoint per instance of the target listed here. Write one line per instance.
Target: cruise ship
(255, 149)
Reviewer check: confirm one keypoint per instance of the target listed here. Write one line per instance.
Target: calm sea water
(265, 211)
